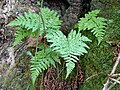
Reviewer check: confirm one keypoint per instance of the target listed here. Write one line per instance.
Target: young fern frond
(96, 24)
(68, 48)
(42, 60)
(32, 21)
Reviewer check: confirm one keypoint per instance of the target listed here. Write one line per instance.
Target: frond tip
(70, 66)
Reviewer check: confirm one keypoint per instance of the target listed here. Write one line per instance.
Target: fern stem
(44, 29)
(36, 45)
(41, 3)
(42, 81)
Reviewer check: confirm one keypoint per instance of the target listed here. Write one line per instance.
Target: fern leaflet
(29, 21)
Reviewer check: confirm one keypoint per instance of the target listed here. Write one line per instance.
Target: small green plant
(47, 25)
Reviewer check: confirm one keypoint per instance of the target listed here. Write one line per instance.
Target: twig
(106, 85)
(112, 72)
(116, 63)
(113, 84)
(115, 75)
(96, 74)
(115, 80)
(93, 76)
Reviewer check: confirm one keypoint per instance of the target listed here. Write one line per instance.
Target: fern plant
(69, 48)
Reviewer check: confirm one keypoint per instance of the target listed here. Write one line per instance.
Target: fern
(42, 60)
(68, 48)
(96, 24)
(32, 21)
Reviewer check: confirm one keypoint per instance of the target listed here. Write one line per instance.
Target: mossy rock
(97, 64)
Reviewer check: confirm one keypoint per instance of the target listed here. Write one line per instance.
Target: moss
(98, 61)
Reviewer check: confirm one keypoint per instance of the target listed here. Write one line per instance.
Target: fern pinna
(69, 48)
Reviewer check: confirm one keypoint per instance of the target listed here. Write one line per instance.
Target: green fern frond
(29, 21)
(42, 60)
(68, 48)
(96, 24)
(32, 21)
